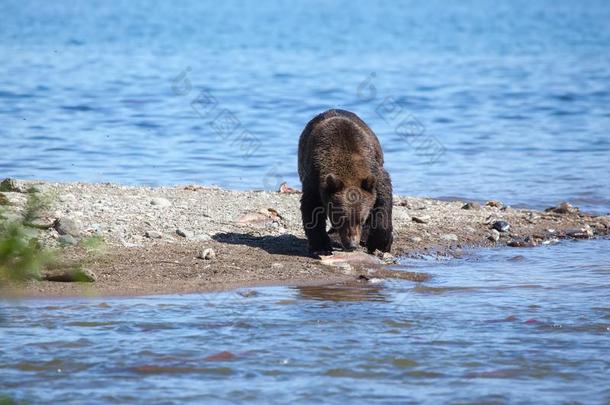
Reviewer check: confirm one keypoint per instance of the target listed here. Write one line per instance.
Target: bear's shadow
(286, 244)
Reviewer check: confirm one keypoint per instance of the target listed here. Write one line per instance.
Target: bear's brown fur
(341, 170)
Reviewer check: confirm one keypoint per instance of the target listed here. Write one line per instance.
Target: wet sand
(155, 239)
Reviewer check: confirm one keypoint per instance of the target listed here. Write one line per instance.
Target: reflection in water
(356, 291)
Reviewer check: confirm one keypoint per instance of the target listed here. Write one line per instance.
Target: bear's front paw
(380, 241)
(321, 251)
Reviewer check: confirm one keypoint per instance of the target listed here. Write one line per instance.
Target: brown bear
(341, 170)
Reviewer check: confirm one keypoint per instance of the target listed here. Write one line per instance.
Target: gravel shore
(193, 238)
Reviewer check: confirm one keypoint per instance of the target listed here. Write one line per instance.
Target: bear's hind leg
(379, 224)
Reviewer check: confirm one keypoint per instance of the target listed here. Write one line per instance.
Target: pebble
(494, 235)
(412, 205)
(563, 208)
(207, 254)
(9, 185)
(67, 226)
(285, 188)
(501, 226)
(153, 234)
(471, 206)
(160, 202)
(67, 240)
(263, 218)
(388, 258)
(184, 233)
(96, 229)
(450, 237)
(68, 198)
(71, 275)
(494, 203)
(520, 243)
(424, 219)
(42, 223)
(415, 239)
(580, 233)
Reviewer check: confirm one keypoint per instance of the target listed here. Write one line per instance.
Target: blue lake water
(497, 326)
(474, 100)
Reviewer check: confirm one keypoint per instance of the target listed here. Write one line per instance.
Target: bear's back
(338, 141)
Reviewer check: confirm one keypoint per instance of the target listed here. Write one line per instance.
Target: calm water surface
(502, 101)
(496, 326)
(476, 100)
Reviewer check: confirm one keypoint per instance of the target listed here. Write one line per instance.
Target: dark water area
(496, 326)
(476, 100)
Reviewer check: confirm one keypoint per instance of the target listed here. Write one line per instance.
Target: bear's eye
(333, 183)
(368, 183)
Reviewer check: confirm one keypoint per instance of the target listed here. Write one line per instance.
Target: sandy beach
(192, 238)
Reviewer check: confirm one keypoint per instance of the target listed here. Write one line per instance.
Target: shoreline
(193, 238)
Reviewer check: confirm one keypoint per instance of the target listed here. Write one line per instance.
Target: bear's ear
(332, 183)
(368, 184)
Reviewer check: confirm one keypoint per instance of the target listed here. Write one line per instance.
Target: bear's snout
(350, 237)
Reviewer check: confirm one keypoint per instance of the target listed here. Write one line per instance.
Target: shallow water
(494, 326)
(497, 101)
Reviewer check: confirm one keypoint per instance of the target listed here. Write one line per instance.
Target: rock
(415, 239)
(42, 222)
(501, 226)
(494, 203)
(580, 233)
(38, 188)
(604, 221)
(4, 200)
(563, 208)
(10, 185)
(67, 198)
(450, 237)
(471, 206)
(153, 234)
(494, 235)
(67, 240)
(160, 202)
(532, 218)
(412, 205)
(520, 243)
(207, 254)
(422, 219)
(71, 275)
(286, 189)
(184, 233)
(248, 293)
(10, 216)
(388, 258)
(95, 229)
(263, 218)
(67, 226)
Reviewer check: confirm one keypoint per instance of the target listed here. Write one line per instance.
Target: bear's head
(349, 204)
